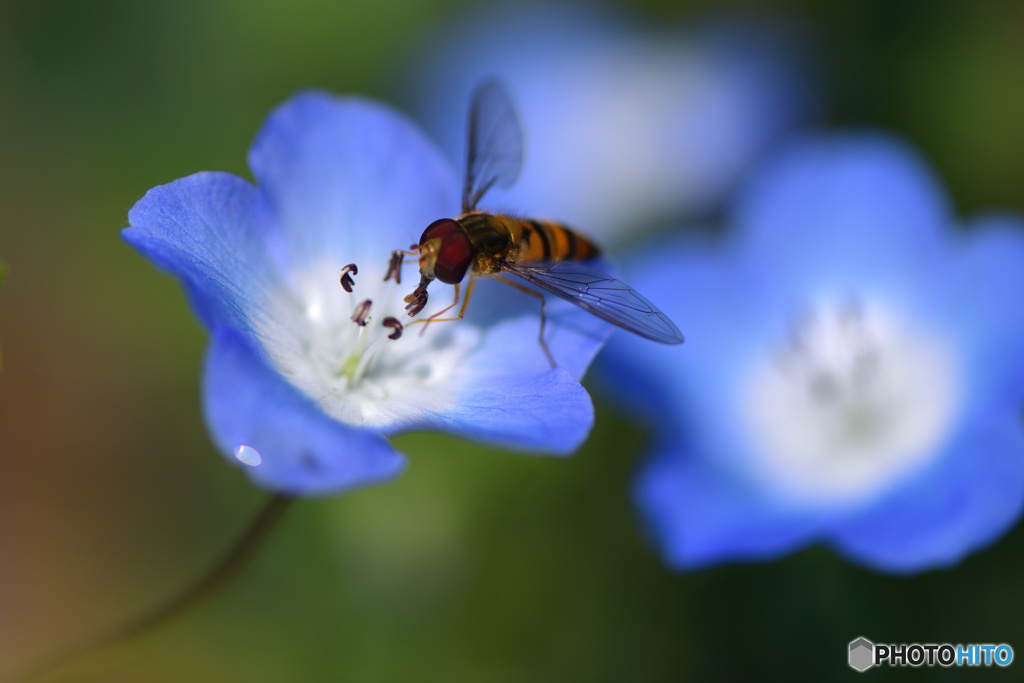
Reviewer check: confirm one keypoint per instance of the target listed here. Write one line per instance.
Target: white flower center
(851, 402)
(357, 372)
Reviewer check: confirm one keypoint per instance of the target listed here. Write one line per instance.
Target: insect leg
(543, 315)
(433, 318)
(462, 311)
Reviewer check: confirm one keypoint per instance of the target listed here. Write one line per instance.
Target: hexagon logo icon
(862, 654)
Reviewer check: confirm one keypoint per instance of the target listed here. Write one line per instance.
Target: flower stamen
(835, 359)
(364, 363)
(395, 267)
(347, 283)
(396, 326)
(854, 398)
(361, 315)
(348, 368)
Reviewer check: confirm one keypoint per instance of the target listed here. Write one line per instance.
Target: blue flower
(294, 388)
(853, 373)
(624, 126)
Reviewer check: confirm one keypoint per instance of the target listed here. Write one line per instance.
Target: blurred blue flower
(625, 125)
(294, 388)
(853, 372)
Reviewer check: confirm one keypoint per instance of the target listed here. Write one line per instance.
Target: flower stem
(230, 565)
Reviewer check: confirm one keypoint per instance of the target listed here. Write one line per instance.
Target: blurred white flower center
(851, 402)
(357, 372)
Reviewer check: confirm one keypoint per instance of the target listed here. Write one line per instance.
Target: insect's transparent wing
(495, 151)
(602, 295)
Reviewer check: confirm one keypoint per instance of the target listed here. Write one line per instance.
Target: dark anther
(394, 325)
(347, 283)
(395, 267)
(362, 313)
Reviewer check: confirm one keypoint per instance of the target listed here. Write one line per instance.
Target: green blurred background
(476, 565)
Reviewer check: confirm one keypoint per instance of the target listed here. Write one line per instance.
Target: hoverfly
(543, 253)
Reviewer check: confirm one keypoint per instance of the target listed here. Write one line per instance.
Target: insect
(543, 253)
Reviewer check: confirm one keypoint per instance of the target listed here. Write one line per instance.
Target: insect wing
(495, 149)
(602, 295)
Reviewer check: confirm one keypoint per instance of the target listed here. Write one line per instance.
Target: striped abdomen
(523, 241)
(550, 241)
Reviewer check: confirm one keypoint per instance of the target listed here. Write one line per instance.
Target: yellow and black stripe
(550, 241)
(513, 240)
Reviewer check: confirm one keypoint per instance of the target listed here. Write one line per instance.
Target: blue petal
(512, 322)
(726, 323)
(700, 512)
(979, 291)
(208, 230)
(972, 496)
(550, 412)
(861, 216)
(303, 451)
(700, 516)
(844, 211)
(507, 392)
(348, 179)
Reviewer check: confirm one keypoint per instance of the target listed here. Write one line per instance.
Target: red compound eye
(455, 253)
(440, 228)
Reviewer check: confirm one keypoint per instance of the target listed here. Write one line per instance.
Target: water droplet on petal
(247, 455)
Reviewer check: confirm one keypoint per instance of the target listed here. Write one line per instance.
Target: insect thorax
(494, 239)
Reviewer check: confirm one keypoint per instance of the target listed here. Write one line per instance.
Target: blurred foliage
(3, 276)
(476, 565)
